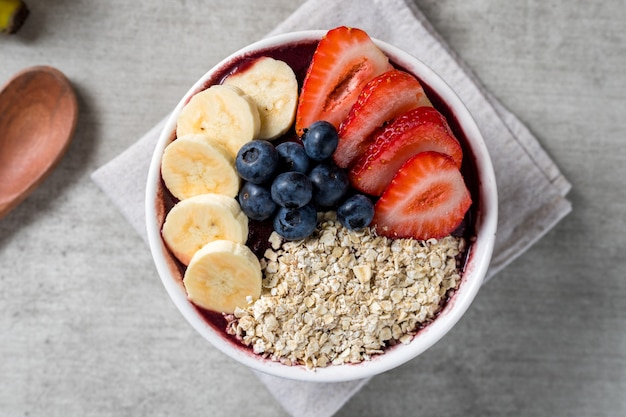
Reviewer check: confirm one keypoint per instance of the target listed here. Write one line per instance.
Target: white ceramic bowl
(475, 269)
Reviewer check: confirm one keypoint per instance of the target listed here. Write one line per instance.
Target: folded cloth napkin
(531, 188)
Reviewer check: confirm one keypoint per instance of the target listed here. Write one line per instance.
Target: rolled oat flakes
(341, 296)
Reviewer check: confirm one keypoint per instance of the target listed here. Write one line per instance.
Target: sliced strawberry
(344, 61)
(385, 97)
(419, 130)
(426, 199)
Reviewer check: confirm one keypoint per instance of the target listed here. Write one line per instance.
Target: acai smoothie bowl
(321, 206)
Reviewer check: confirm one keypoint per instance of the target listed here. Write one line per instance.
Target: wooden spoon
(38, 114)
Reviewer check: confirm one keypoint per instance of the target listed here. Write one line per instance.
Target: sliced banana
(198, 164)
(223, 275)
(273, 86)
(224, 113)
(198, 220)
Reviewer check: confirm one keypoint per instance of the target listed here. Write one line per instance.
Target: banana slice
(198, 164)
(225, 113)
(198, 220)
(273, 86)
(222, 275)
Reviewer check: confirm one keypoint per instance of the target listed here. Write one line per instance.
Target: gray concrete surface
(86, 328)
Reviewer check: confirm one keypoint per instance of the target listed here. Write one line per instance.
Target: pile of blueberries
(293, 181)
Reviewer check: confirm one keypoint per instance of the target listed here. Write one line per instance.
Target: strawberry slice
(426, 199)
(419, 130)
(385, 97)
(344, 61)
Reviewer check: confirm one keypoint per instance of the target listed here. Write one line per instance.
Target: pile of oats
(341, 296)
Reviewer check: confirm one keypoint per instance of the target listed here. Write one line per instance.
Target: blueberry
(320, 140)
(257, 161)
(295, 224)
(292, 157)
(330, 184)
(292, 189)
(356, 212)
(256, 201)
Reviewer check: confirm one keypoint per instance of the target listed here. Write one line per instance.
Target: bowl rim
(478, 258)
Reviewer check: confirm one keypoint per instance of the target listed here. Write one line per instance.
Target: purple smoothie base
(298, 57)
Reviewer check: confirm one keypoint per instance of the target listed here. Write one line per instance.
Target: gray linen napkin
(531, 188)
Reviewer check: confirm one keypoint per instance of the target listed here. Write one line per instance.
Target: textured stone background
(86, 328)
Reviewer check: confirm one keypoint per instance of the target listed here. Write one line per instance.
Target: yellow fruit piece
(223, 113)
(222, 276)
(198, 220)
(273, 86)
(197, 164)
(13, 13)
